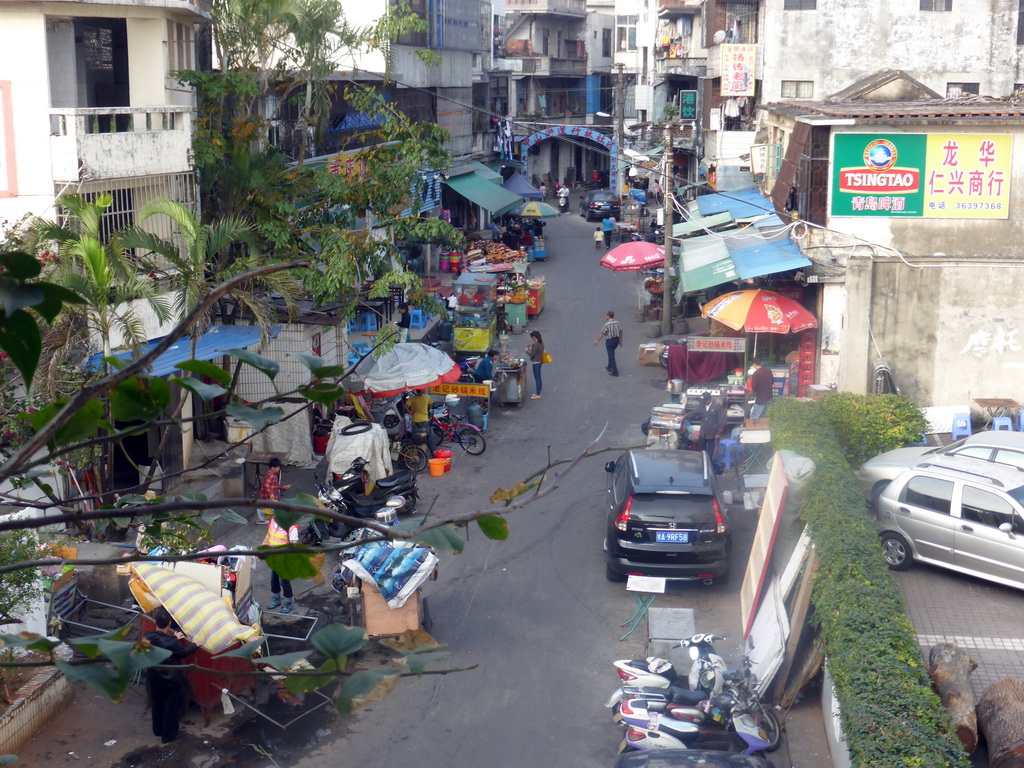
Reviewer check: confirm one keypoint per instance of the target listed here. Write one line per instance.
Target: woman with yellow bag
(538, 356)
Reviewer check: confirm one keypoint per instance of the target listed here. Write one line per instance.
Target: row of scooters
(711, 708)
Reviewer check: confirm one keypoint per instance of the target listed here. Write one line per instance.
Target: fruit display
(654, 285)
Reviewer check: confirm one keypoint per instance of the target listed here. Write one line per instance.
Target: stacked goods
(653, 285)
(516, 294)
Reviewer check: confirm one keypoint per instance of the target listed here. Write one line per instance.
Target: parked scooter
(653, 731)
(351, 484)
(321, 530)
(656, 235)
(706, 674)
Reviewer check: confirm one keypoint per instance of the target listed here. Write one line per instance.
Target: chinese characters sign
(716, 344)
(932, 176)
(738, 64)
(463, 390)
(577, 131)
(687, 105)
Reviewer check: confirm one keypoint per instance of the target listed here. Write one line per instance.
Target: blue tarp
(741, 203)
(768, 258)
(520, 186)
(214, 343)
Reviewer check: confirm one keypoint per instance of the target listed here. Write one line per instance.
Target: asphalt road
(535, 612)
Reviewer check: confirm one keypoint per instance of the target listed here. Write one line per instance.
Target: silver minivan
(958, 513)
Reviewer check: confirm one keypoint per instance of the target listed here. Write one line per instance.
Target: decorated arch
(579, 132)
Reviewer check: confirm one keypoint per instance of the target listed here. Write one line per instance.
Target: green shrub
(868, 425)
(890, 715)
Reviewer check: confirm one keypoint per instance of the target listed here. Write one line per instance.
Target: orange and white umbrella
(759, 311)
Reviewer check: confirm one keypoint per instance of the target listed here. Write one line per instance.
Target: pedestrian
(712, 426)
(526, 239)
(563, 194)
(270, 490)
(595, 177)
(166, 687)
(419, 411)
(484, 370)
(598, 238)
(277, 536)
(543, 192)
(535, 351)
(495, 232)
(608, 226)
(538, 228)
(611, 332)
(761, 380)
(404, 323)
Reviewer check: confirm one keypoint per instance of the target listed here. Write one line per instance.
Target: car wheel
(723, 580)
(896, 551)
(613, 575)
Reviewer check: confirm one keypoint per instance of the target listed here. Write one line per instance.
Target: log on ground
(1001, 718)
(950, 670)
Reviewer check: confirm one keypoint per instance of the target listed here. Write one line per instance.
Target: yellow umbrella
(535, 210)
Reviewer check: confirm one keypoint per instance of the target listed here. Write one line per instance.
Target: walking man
(712, 426)
(271, 489)
(611, 332)
(166, 687)
(761, 381)
(607, 226)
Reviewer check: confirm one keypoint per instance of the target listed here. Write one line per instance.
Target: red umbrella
(759, 311)
(632, 257)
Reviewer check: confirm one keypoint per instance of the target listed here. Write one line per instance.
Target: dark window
(800, 5)
(988, 509)
(929, 493)
(606, 42)
(956, 90)
(936, 5)
(658, 509)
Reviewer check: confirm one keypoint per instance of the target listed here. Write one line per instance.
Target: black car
(666, 517)
(689, 758)
(599, 203)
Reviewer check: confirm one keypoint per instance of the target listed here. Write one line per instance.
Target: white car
(999, 447)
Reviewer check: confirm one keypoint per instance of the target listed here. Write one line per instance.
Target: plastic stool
(368, 322)
(729, 455)
(961, 426)
(416, 318)
(1002, 423)
(360, 348)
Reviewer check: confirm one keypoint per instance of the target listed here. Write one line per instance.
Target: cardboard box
(381, 619)
(649, 354)
(756, 424)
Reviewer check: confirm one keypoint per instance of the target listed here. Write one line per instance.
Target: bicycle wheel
(471, 441)
(412, 458)
(439, 434)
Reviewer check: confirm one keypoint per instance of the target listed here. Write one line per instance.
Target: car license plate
(672, 537)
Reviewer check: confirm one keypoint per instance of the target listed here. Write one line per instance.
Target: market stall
(510, 381)
(475, 313)
(535, 288)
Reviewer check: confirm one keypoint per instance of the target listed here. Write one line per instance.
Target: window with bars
(797, 89)
(936, 5)
(956, 90)
(179, 46)
(800, 5)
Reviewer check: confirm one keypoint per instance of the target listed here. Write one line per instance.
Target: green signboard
(687, 105)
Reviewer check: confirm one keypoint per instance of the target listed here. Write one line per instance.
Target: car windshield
(676, 507)
(951, 447)
(602, 197)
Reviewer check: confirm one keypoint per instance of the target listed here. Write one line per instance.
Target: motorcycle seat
(399, 478)
(685, 696)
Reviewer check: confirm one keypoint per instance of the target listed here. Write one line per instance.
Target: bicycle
(407, 454)
(467, 436)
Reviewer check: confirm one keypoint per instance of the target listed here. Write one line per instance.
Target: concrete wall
(844, 40)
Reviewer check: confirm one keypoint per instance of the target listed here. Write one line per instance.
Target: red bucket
(320, 443)
(444, 453)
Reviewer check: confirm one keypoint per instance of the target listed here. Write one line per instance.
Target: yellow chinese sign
(462, 390)
(739, 63)
(968, 176)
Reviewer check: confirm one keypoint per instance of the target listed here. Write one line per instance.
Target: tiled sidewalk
(986, 620)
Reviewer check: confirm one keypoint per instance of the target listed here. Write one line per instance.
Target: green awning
(700, 223)
(484, 192)
(488, 173)
(705, 262)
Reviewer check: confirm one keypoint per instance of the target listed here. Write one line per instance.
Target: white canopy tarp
(373, 445)
(406, 366)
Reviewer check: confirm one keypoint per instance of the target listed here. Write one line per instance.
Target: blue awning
(713, 259)
(214, 343)
(768, 258)
(741, 203)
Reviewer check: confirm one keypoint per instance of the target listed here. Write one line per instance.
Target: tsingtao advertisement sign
(917, 175)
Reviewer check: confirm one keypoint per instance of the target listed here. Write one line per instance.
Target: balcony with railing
(574, 8)
(549, 66)
(674, 61)
(682, 6)
(119, 142)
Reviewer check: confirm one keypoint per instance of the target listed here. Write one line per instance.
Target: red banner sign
(715, 344)
(462, 390)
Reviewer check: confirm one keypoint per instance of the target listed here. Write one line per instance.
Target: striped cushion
(202, 615)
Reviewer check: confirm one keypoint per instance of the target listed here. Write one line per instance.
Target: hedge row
(891, 716)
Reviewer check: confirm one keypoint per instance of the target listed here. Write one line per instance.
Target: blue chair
(360, 348)
(729, 453)
(353, 324)
(416, 318)
(961, 426)
(368, 322)
(1020, 420)
(1002, 423)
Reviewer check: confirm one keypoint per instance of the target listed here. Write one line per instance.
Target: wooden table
(998, 406)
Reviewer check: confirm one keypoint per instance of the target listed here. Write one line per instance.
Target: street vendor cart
(510, 381)
(475, 313)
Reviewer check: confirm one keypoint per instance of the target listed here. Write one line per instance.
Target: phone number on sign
(978, 206)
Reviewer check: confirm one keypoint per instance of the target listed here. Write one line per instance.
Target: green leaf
(365, 686)
(312, 362)
(282, 661)
(231, 516)
(242, 652)
(445, 537)
(15, 296)
(206, 392)
(292, 566)
(336, 641)
(329, 371)
(256, 417)
(129, 658)
(54, 299)
(18, 265)
(493, 526)
(90, 645)
(304, 683)
(116, 363)
(265, 364)
(21, 340)
(31, 641)
(322, 392)
(417, 662)
(207, 369)
(107, 681)
(83, 424)
(139, 398)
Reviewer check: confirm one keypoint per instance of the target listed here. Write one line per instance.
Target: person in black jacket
(166, 687)
(712, 425)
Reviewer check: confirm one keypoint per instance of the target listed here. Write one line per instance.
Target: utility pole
(620, 126)
(668, 218)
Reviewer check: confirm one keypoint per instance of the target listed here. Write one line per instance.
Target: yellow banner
(461, 389)
(967, 176)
